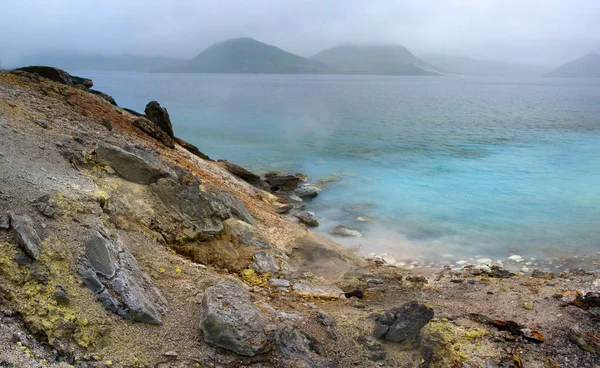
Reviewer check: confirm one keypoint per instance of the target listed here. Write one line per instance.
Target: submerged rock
(307, 218)
(26, 235)
(307, 190)
(403, 324)
(153, 130)
(131, 166)
(230, 320)
(342, 230)
(122, 287)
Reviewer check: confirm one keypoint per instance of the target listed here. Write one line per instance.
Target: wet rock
(264, 263)
(131, 166)
(328, 322)
(307, 190)
(294, 346)
(154, 131)
(403, 324)
(307, 218)
(61, 296)
(26, 235)
(245, 234)
(203, 212)
(5, 222)
(114, 275)
(235, 205)
(58, 75)
(104, 96)
(342, 230)
(283, 182)
(231, 321)
(159, 116)
(191, 148)
(47, 206)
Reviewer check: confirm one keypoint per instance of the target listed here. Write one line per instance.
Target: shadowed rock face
(230, 320)
(131, 165)
(159, 116)
(114, 275)
(154, 131)
(403, 324)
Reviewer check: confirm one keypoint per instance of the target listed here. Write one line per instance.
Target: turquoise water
(450, 167)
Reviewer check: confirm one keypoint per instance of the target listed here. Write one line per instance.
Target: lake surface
(445, 168)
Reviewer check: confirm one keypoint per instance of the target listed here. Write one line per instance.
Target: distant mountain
(375, 59)
(468, 66)
(246, 55)
(584, 67)
(77, 61)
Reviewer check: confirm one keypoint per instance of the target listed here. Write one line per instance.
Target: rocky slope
(123, 246)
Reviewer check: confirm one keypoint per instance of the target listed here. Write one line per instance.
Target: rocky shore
(122, 245)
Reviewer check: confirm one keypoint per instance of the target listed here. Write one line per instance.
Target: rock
(159, 116)
(171, 354)
(154, 131)
(307, 218)
(47, 206)
(131, 166)
(235, 205)
(307, 190)
(592, 298)
(57, 75)
(26, 235)
(403, 324)
(328, 322)
(247, 176)
(61, 296)
(114, 275)
(245, 234)
(203, 212)
(264, 263)
(283, 182)
(43, 124)
(375, 281)
(587, 341)
(104, 96)
(294, 346)
(5, 222)
(231, 321)
(107, 124)
(279, 282)
(342, 230)
(191, 148)
(539, 274)
(316, 288)
(498, 272)
(282, 208)
(355, 293)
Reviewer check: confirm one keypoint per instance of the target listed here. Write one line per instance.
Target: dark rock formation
(159, 116)
(193, 149)
(154, 131)
(26, 235)
(235, 205)
(283, 182)
(240, 171)
(104, 96)
(203, 213)
(403, 324)
(131, 166)
(230, 320)
(296, 346)
(47, 206)
(114, 275)
(307, 218)
(58, 75)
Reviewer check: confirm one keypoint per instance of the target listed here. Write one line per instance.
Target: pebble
(374, 281)
(41, 146)
(1, 154)
(171, 354)
(43, 124)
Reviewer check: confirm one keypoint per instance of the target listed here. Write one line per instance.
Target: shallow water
(443, 167)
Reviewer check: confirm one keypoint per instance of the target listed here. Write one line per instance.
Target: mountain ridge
(587, 66)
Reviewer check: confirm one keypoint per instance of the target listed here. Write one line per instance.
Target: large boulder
(58, 75)
(154, 131)
(230, 320)
(159, 116)
(403, 324)
(133, 166)
(203, 213)
(113, 274)
(283, 182)
(26, 235)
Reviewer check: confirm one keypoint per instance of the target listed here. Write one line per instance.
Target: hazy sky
(547, 32)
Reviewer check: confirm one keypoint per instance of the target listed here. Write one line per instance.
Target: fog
(544, 32)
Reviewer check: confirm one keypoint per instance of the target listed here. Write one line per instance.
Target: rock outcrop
(122, 287)
(58, 75)
(154, 131)
(307, 218)
(283, 182)
(131, 165)
(26, 235)
(403, 324)
(191, 148)
(230, 320)
(159, 116)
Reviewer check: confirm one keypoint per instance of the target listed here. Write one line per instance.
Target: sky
(543, 32)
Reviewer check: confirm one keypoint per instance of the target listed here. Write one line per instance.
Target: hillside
(246, 55)
(469, 66)
(587, 66)
(375, 59)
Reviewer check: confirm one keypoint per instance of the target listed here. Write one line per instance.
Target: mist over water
(458, 166)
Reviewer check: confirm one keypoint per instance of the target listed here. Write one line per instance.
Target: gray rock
(236, 206)
(26, 235)
(264, 263)
(283, 182)
(294, 346)
(154, 131)
(231, 321)
(375, 281)
(403, 324)
(307, 218)
(120, 284)
(203, 212)
(61, 296)
(307, 190)
(240, 171)
(159, 116)
(130, 166)
(47, 206)
(5, 222)
(328, 322)
(342, 230)
(245, 234)
(282, 283)
(283, 207)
